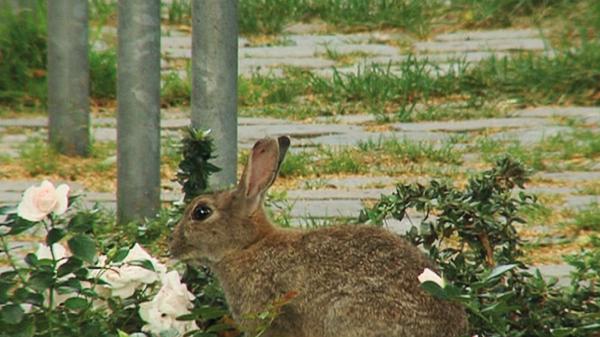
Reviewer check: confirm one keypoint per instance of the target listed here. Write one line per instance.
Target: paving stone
(570, 176)
(581, 201)
(165, 196)
(15, 138)
(473, 124)
(276, 52)
(184, 41)
(249, 65)
(375, 49)
(560, 271)
(478, 45)
(353, 182)
(21, 185)
(326, 208)
(338, 194)
(9, 198)
(531, 136)
(104, 134)
(36, 122)
(251, 133)
(547, 190)
(261, 121)
(346, 119)
(500, 34)
(404, 225)
(586, 114)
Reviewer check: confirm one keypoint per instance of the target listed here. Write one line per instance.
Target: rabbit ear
(263, 166)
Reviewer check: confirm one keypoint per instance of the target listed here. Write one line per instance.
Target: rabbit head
(216, 224)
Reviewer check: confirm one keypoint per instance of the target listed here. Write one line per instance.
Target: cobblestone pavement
(345, 197)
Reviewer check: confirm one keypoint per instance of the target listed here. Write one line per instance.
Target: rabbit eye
(201, 212)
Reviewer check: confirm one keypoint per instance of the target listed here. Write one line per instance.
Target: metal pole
(214, 80)
(68, 77)
(138, 105)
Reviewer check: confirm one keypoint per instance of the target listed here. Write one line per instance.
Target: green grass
(574, 150)
(588, 218)
(38, 158)
(384, 156)
(590, 188)
(30, 155)
(411, 151)
(178, 11)
(175, 90)
(418, 90)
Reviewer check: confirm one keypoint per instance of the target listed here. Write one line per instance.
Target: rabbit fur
(349, 281)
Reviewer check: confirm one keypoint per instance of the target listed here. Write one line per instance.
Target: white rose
(124, 279)
(430, 275)
(39, 201)
(172, 300)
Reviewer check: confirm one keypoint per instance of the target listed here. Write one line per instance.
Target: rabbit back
(350, 281)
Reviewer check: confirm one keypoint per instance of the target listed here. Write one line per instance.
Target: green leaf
(76, 304)
(72, 264)
(208, 312)
(83, 247)
(82, 222)
(54, 235)
(41, 281)
(219, 328)
(120, 255)
(7, 210)
(12, 313)
(498, 271)
(122, 333)
(146, 264)
(434, 289)
(31, 259)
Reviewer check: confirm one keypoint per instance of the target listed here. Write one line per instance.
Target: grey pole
(214, 80)
(68, 76)
(138, 105)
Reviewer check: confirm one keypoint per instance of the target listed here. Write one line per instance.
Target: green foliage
(103, 74)
(588, 218)
(23, 54)
(269, 17)
(195, 168)
(175, 90)
(471, 235)
(178, 11)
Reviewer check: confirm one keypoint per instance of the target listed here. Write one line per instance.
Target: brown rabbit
(350, 281)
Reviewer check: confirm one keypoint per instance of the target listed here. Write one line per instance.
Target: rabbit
(349, 281)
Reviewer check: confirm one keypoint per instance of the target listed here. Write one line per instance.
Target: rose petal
(430, 275)
(27, 209)
(62, 199)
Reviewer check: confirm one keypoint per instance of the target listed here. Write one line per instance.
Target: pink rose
(39, 201)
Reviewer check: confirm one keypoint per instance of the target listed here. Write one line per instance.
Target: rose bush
(91, 288)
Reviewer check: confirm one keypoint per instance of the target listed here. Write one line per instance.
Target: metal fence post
(138, 117)
(68, 76)
(214, 80)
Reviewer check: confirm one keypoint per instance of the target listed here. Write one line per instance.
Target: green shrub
(473, 239)
(23, 54)
(103, 74)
